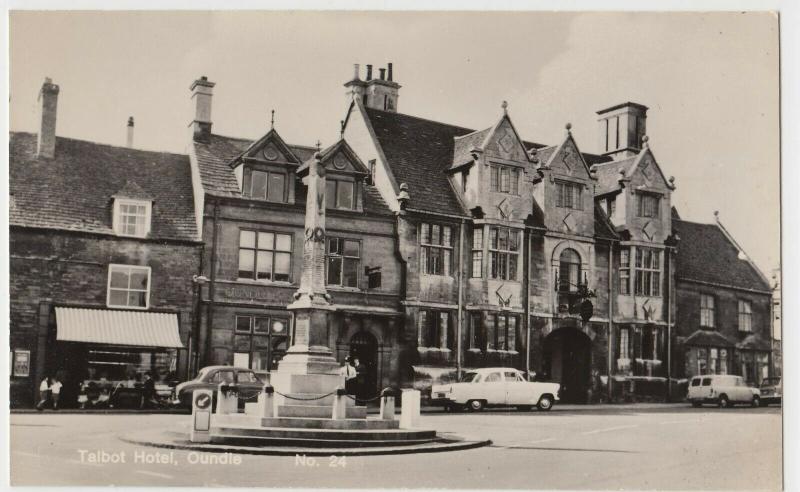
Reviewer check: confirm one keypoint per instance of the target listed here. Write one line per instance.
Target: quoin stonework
(446, 248)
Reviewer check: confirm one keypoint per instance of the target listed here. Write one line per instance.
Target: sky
(711, 81)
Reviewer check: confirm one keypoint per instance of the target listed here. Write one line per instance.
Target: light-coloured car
(495, 386)
(246, 381)
(771, 391)
(723, 390)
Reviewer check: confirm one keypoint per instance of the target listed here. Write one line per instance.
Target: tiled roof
(608, 174)
(218, 178)
(463, 145)
(602, 225)
(708, 338)
(74, 190)
(705, 254)
(753, 342)
(419, 152)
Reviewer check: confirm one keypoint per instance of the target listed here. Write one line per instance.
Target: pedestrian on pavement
(349, 373)
(360, 379)
(148, 391)
(44, 393)
(55, 391)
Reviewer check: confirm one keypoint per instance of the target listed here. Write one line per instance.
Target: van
(721, 389)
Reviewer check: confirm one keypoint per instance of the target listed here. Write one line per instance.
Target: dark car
(771, 391)
(247, 383)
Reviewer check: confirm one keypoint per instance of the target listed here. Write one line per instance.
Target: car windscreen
(770, 381)
(468, 377)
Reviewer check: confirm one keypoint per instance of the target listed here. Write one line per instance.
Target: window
(435, 330)
(706, 311)
(696, 382)
(343, 259)
(568, 195)
(745, 316)
(128, 286)
(340, 194)
(260, 341)
(648, 272)
(569, 271)
(503, 253)
(648, 205)
(464, 182)
(504, 179)
(266, 185)
(706, 382)
(625, 271)
(723, 361)
(265, 256)
(476, 331)
(437, 248)
(132, 217)
(649, 343)
(501, 334)
(477, 252)
(713, 361)
(494, 377)
(372, 168)
(624, 343)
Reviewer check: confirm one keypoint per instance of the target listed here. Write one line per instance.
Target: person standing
(44, 393)
(55, 392)
(349, 373)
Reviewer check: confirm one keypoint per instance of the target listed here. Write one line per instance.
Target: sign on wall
(22, 363)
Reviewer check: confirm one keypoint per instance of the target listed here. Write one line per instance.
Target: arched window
(569, 271)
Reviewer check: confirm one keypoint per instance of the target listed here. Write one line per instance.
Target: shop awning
(137, 328)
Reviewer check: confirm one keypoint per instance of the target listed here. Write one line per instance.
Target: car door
(494, 388)
(518, 391)
(705, 388)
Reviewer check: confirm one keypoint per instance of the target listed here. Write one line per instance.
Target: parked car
(495, 386)
(722, 390)
(247, 382)
(771, 391)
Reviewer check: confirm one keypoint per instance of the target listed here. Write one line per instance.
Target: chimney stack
(356, 70)
(129, 141)
(202, 90)
(389, 77)
(383, 73)
(48, 105)
(622, 130)
(369, 73)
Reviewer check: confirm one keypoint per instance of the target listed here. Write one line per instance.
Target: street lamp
(194, 354)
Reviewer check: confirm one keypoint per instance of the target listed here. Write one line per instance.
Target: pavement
(638, 446)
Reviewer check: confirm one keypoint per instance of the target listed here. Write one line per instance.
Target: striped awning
(136, 328)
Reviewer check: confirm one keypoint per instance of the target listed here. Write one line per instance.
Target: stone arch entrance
(364, 347)
(568, 361)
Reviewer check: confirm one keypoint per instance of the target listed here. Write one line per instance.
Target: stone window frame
(247, 183)
(256, 249)
(504, 256)
(443, 249)
(476, 265)
(428, 330)
(335, 181)
(625, 271)
(252, 333)
(344, 257)
(575, 194)
(121, 219)
(645, 208)
(497, 334)
(745, 316)
(707, 314)
(130, 268)
(504, 178)
(642, 271)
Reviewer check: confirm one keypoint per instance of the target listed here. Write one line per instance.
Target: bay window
(625, 271)
(648, 272)
(436, 330)
(477, 252)
(504, 253)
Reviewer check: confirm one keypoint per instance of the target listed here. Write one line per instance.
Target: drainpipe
(212, 283)
(669, 326)
(459, 319)
(611, 340)
(403, 286)
(526, 323)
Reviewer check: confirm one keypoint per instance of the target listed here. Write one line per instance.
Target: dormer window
(132, 217)
(648, 205)
(504, 179)
(340, 194)
(568, 195)
(266, 185)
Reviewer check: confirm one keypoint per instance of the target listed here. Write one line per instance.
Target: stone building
(250, 204)
(103, 246)
(724, 306)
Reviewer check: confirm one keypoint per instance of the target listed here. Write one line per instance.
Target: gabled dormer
(647, 196)
(566, 188)
(345, 175)
(132, 211)
(266, 170)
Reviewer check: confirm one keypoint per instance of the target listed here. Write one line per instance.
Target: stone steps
(328, 436)
(317, 411)
(258, 441)
(327, 423)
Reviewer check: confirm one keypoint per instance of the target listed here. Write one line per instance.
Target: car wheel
(697, 404)
(756, 401)
(545, 403)
(724, 402)
(475, 405)
(523, 408)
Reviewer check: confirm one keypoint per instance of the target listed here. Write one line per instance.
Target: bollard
(339, 405)
(387, 404)
(266, 401)
(227, 400)
(409, 409)
(201, 416)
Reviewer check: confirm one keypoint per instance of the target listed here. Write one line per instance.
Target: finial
(505, 107)
(568, 126)
(272, 120)
(672, 181)
(716, 215)
(319, 145)
(341, 129)
(645, 139)
(621, 174)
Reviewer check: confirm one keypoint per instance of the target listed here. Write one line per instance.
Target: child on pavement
(55, 391)
(44, 393)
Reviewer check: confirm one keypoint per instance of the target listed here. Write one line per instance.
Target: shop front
(103, 357)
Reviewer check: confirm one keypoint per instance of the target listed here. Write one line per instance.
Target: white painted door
(494, 388)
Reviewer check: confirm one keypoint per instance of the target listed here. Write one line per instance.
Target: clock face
(340, 162)
(270, 153)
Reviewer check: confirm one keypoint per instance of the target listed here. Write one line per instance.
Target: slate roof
(708, 338)
(420, 151)
(706, 254)
(608, 174)
(74, 190)
(602, 225)
(218, 178)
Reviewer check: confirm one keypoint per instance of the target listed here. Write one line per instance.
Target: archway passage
(567, 361)
(364, 347)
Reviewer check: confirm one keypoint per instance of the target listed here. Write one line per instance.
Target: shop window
(649, 348)
(265, 185)
(132, 217)
(108, 367)
(648, 205)
(435, 330)
(260, 341)
(706, 311)
(745, 316)
(625, 271)
(504, 179)
(568, 195)
(340, 194)
(343, 258)
(477, 252)
(503, 253)
(128, 286)
(501, 331)
(436, 243)
(648, 272)
(265, 256)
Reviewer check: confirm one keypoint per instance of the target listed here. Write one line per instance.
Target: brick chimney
(202, 90)
(621, 129)
(48, 106)
(129, 140)
(381, 93)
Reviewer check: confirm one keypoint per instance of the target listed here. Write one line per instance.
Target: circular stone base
(171, 439)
